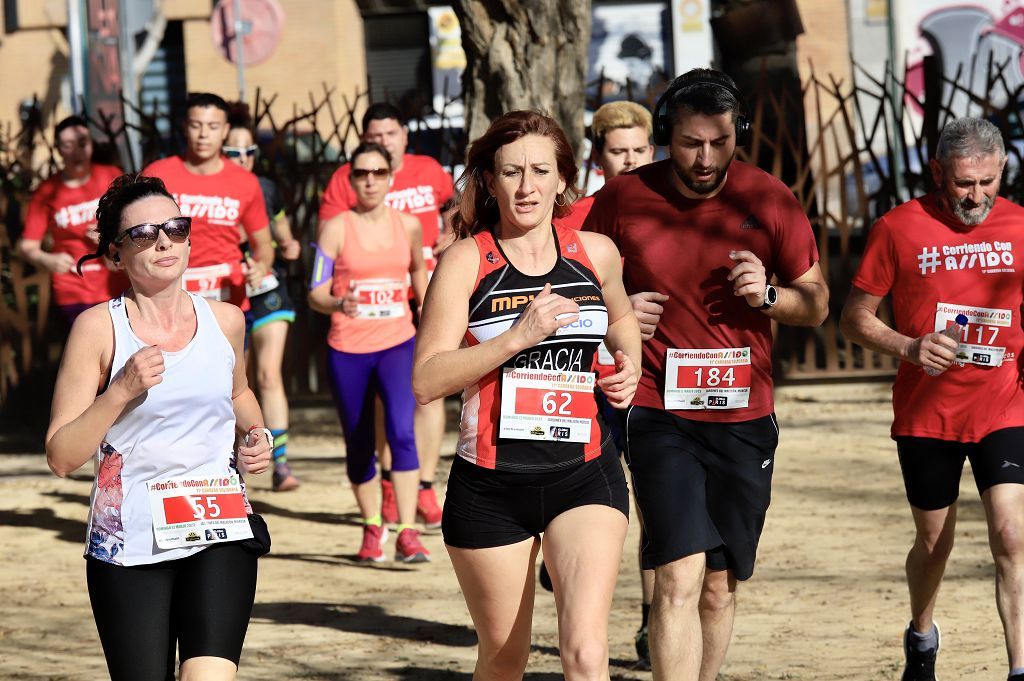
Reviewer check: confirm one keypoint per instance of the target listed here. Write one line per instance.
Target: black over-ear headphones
(663, 125)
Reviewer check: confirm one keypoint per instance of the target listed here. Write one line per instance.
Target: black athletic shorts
(271, 306)
(701, 487)
(484, 508)
(202, 603)
(932, 468)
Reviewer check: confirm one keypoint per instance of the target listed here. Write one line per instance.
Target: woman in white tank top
(153, 386)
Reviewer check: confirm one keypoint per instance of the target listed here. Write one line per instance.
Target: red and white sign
(193, 511)
(716, 378)
(547, 405)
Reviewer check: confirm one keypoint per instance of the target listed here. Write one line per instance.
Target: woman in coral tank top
(371, 252)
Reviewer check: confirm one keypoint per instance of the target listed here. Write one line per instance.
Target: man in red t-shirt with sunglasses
(954, 252)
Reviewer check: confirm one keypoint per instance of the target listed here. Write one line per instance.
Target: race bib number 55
(539, 404)
(190, 510)
(717, 378)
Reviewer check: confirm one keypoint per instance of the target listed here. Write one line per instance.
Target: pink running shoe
(283, 478)
(374, 538)
(388, 503)
(427, 510)
(408, 548)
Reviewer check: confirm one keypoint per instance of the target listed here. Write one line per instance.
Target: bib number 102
(712, 377)
(550, 403)
(380, 297)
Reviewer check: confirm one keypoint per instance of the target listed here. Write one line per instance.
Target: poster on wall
(692, 42)
(447, 58)
(629, 46)
(964, 37)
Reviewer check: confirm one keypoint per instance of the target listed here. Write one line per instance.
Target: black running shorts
(701, 487)
(272, 306)
(201, 603)
(484, 508)
(932, 468)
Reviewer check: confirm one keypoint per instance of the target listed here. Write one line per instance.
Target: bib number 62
(549, 403)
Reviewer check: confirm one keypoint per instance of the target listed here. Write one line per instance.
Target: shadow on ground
(366, 619)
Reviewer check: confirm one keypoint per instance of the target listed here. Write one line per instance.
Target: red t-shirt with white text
(420, 188)
(680, 247)
(67, 213)
(218, 204)
(936, 267)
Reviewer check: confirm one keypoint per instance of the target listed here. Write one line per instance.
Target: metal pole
(76, 55)
(240, 49)
(896, 117)
(129, 90)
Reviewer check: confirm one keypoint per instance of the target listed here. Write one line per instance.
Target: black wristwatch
(771, 296)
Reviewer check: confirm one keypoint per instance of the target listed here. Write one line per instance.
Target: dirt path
(827, 600)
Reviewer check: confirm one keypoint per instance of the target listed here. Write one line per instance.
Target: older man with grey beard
(953, 262)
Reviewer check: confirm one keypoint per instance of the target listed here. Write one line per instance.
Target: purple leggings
(356, 379)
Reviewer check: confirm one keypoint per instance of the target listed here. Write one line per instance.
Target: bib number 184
(717, 378)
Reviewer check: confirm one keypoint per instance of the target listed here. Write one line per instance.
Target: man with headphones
(710, 233)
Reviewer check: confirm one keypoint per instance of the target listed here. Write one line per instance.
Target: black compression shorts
(484, 508)
(202, 602)
(932, 468)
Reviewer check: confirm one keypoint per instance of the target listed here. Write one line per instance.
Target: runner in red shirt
(420, 187)
(64, 207)
(953, 252)
(622, 142)
(220, 197)
(709, 233)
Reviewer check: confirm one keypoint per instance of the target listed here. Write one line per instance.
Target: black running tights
(202, 602)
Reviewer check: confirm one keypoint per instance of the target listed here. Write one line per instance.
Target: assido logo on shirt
(216, 210)
(77, 214)
(989, 257)
(419, 199)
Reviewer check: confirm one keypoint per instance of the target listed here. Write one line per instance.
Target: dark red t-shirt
(420, 188)
(680, 247)
(937, 268)
(219, 204)
(67, 213)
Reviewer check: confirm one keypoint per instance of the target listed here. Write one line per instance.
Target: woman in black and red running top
(514, 315)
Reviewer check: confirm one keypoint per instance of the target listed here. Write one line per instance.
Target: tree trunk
(525, 54)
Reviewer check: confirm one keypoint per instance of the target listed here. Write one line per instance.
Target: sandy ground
(827, 600)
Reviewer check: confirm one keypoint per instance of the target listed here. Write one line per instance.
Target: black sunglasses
(238, 152)
(361, 173)
(177, 230)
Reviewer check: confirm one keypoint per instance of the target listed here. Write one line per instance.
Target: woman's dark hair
(474, 213)
(122, 192)
(239, 117)
(369, 148)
